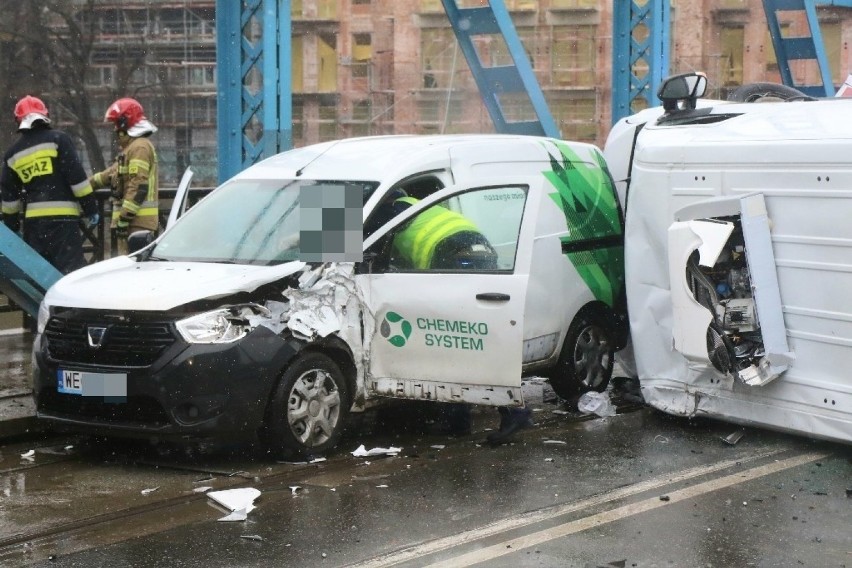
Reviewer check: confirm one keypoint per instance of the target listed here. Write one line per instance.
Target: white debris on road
(149, 491)
(363, 452)
(239, 501)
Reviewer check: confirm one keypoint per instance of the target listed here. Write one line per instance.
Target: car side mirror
(138, 240)
(679, 92)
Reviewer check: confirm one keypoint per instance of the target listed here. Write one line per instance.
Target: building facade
(363, 67)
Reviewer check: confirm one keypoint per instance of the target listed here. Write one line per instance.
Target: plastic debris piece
(560, 442)
(382, 486)
(69, 448)
(28, 454)
(560, 412)
(733, 437)
(661, 439)
(239, 501)
(149, 491)
(593, 402)
(362, 452)
(438, 446)
(294, 488)
(202, 489)
(548, 459)
(665, 498)
(256, 537)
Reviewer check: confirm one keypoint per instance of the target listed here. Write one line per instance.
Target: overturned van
(238, 321)
(738, 257)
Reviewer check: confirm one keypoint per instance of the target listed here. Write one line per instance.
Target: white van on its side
(738, 257)
(239, 321)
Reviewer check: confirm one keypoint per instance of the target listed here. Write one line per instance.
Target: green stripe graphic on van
(595, 244)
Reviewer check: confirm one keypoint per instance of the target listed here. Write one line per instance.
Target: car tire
(587, 357)
(753, 92)
(309, 407)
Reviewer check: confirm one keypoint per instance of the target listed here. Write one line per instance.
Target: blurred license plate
(85, 383)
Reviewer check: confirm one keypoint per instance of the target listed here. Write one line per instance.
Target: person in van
(133, 175)
(439, 238)
(43, 181)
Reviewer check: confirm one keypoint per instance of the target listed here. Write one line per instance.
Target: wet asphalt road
(639, 489)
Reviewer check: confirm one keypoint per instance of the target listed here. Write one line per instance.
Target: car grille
(126, 343)
(135, 410)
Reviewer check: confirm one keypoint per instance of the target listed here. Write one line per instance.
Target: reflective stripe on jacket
(427, 230)
(133, 178)
(43, 176)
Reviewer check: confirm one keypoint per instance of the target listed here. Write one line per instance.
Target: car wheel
(309, 407)
(754, 92)
(585, 363)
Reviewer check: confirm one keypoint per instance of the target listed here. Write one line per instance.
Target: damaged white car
(737, 255)
(240, 321)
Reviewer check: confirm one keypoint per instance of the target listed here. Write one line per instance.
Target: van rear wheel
(309, 408)
(587, 357)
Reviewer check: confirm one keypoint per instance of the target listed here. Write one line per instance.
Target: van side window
(389, 207)
(476, 231)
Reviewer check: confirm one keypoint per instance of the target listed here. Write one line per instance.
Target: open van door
(453, 332)
(725, 297)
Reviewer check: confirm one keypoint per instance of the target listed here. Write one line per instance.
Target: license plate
(84, 383)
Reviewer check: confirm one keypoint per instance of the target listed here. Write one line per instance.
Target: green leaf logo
(395, 328)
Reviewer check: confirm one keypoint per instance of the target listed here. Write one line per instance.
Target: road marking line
(538, 516)
(598, 519)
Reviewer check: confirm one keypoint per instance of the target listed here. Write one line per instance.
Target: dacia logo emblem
(96, 336)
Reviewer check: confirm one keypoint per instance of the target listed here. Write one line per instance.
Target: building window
(576, 118)
(437, 48)
(732, 40)
(362, 52)
(574, 54)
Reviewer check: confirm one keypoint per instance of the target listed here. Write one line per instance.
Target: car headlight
(218, 326)
(43, 316)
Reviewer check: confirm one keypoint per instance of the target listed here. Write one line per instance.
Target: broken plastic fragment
(294, 489)
(362, 452)
(596, 403)
(30, 455)
(733, 437)
(149, 491)
(256, 537)
(202, 489)
(548, 459)
(437, 446)
(555, 442)
(238, 501)
(382, 486)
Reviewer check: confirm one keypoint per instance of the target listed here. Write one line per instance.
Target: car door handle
(493, 297)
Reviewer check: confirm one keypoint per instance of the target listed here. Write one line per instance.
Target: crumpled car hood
(124, 284)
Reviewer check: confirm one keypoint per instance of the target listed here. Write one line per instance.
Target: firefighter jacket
(43, 178)
(430, 227)
(133, 180)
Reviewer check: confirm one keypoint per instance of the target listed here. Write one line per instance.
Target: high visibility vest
(427, 230)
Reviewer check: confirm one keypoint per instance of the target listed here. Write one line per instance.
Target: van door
(448, 325)
(726, 303)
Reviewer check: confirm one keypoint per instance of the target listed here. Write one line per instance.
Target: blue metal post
(632, 53)
(229, 80)
(25, 275)
(255, 108)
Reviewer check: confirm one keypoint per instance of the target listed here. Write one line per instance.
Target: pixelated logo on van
(396, 329)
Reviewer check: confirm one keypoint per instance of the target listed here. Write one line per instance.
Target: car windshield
(247, 222)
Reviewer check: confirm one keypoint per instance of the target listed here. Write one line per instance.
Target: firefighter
(43, 181)
(133, 176)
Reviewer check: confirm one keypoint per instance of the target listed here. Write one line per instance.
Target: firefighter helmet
(124, 114)
(128, 116)
(28, 110)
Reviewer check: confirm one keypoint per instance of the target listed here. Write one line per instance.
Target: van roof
(371, 158)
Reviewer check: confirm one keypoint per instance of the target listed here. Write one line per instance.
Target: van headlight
(43, 316)
(218, 326)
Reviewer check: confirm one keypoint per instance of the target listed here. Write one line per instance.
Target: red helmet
(125, 113)
(30, 105)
